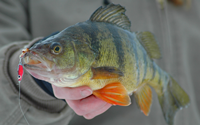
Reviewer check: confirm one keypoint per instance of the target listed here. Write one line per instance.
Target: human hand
(81, 100)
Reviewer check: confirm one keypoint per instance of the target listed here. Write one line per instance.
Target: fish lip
(32, 67)
(42, 74)
(33, 70)
(39, 61)
(42, 67)
(38, 72)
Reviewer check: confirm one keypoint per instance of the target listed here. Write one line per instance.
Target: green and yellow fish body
(105, 55)
(118, 50)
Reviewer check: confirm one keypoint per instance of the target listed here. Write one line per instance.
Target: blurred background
(176, 28)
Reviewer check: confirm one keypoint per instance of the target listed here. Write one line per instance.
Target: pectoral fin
(143, 97)
(114, 93)
(106, 73)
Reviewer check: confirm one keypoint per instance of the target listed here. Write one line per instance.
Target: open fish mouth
(42, 68)
(33, 61)
(39, 66)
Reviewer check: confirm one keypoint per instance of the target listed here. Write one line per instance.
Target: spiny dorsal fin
(149, 43)
(114, 14)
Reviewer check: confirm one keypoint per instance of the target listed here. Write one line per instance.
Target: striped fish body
(114, 47)
(114, 62)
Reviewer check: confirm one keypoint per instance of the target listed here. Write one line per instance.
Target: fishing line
(21, 107)
(159, 8)
(165, 29)
(168, 37)
(19, 78)
(168, 27)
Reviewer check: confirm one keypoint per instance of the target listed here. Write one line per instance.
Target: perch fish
(114, 62)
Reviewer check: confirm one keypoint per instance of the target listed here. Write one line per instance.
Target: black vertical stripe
(131, 37)
(159, 72)
(137, 63)
(154, 70)
(92, 30)
(145, 63)
(118, 44)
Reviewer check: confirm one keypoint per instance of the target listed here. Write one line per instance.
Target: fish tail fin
(172, 99)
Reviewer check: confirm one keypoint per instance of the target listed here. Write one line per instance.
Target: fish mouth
(39, 66)
(42, 68)
(33, 61)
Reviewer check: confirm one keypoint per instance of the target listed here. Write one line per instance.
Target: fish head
(58, 60)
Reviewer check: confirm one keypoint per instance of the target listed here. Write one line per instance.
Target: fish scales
(160, 79)
(108, 38)
(114, 62)
(123, 50)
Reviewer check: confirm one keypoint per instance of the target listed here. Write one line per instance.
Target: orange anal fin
(114, 93)
(106, 73)
(143, 97)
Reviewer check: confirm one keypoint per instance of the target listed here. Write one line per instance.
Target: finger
(68, 93)
(98, 112)
(86, 105)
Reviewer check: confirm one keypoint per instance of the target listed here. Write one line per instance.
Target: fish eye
(56, 48)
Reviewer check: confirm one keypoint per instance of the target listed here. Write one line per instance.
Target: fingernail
(86, 92)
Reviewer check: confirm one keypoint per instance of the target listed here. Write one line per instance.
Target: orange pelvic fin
(143, 97)
(114, 93)
(106, 73)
